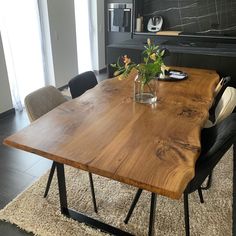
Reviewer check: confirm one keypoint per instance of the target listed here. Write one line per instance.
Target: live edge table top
(153, 147)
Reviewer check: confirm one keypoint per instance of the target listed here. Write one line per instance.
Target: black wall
(202, 16)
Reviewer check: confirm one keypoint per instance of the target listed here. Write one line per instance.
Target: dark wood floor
(18, 169)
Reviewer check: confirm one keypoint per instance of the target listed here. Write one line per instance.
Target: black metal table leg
(152, 214)
(62, 189)
(93, 192)
(234, 191)
(77, 215)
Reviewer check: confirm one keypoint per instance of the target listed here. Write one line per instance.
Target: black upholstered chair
(223, 106)
(37, 104)
(215, 142)
(81, 83)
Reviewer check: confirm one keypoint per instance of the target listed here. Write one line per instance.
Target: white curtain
(83, 18)
(21, 35)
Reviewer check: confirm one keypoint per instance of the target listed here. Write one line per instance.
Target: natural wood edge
(84, 167)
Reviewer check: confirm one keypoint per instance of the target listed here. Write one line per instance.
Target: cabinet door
(114, 53)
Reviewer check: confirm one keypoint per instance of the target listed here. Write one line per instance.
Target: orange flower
(150, 67)
(126, 60)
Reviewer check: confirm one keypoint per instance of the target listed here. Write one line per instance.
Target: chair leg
(50, 179)
(200, 195)
(136, 198)
(93, 192)
(186, 215)
(209, 182)
(152, 214)
(90, 180)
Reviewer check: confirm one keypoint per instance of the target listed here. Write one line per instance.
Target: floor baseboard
(7, 113)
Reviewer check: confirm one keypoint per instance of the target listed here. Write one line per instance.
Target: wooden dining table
(151, 146)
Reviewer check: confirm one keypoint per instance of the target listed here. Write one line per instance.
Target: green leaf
(162, 53)
(149, 69)
(113, 65)
(118, 62)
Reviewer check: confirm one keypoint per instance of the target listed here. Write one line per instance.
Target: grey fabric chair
(39, 103)
(215, 142)
(42, 101)
(217, 104)
(224, 108)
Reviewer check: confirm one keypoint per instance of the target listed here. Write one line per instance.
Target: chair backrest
(220, 88)
(225, 106)
(222, 85)
(42, 101)
(81, 83)
(215, 142)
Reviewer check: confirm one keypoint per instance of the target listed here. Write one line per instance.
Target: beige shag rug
(31, 212)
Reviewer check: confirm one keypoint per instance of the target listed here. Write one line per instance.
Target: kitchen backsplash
(196, 16)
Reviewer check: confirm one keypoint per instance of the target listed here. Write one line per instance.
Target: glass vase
(145, 92)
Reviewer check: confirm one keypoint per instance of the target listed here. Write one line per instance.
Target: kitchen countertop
(183, 46)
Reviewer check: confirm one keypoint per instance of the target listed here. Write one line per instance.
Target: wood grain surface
(104, 131)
